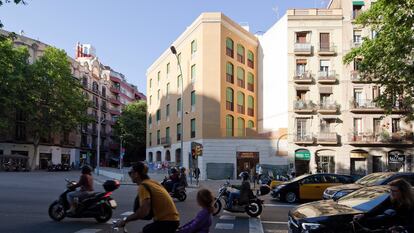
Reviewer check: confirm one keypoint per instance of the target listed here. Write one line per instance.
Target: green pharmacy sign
(302, 155)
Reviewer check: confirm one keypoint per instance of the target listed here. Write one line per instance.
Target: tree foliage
(131, 126)
(387, 58)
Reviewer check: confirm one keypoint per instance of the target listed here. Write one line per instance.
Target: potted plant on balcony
(384, 136)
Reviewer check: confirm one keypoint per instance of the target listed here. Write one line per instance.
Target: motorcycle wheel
(105, 214)
(182, 196)
(254, 209)
(217, 207)
(57, 211)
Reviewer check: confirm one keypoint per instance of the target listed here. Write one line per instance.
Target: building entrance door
(44, 158)
(376, 164)
(247, 161)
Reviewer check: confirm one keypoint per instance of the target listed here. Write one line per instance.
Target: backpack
(137, 204)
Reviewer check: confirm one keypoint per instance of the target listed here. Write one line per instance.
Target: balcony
(115, 90)
(166, 141)
(115, 79)
(327, 77)
(303, 106)
(303, 77)
(304, 139)
(302, 49)
(365, 106)
(326, 49)
(115, 112)
(104, 108)
(328, 107)
(382, 138)
(115, 101)
(327, 138)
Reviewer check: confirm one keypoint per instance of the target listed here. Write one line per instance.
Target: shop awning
(358, 3)
(302, 154)
(359, 154)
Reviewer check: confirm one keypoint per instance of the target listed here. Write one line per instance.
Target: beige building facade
(219, 65)
(334, 123)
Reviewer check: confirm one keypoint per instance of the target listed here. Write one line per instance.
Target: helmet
(244, 175)
(86, 169)
(182, 169)
(173, 170)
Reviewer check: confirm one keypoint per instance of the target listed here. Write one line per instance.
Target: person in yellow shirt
(152, 197)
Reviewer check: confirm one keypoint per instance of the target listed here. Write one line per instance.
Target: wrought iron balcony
(327, 138)
(303, 48)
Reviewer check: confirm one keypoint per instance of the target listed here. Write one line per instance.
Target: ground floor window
(325, 164)
(358, 166)
(44, 160)
(377, 164)
(65, 159)
(247, 161)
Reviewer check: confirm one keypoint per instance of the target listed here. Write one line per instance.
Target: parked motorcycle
(180, 192)
(97, 205)
(253, 207)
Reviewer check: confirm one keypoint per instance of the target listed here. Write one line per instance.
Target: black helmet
(174, 170)
(86, 169)
(244, 175)
(182, 169)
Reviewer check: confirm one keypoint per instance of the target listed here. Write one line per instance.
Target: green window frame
(240, 49)
(240, 98)
(229, 43)
(193, 98)
(193, 47)
(230, 68)
(250, 81)
(240, 73)
(229, 126)
(229, 95)
(241, 127)
(193, 73)
(193, 128)
(167, 134)
(250, 124)
(250, 56)
(178, 105)
(158, 115)
(250, 102)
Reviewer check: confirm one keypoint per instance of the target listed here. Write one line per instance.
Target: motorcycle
(97, 205)
(180, 192)
(253, 207)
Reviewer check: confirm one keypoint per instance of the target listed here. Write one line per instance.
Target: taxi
(308, 187)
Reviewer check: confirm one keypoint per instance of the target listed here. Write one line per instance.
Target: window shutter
(240, 73)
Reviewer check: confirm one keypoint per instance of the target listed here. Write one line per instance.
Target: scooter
(97, 205)
(180, 192)
(253, 207)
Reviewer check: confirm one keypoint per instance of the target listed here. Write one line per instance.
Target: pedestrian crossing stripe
(224, 226)
(227, 217)
(88, 230)
(127, 213)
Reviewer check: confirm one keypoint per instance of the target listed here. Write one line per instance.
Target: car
(336, 216)
(308, 187)
(378, 178)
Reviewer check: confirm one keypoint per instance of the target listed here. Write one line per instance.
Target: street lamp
(174, 51)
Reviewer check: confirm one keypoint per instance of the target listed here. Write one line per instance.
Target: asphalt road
(25, 198)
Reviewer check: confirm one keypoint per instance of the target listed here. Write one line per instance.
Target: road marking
(227, 217)
(127, 213)
(279, 205)
(88, 231)
(224, 226)
(255, 225)
(274, 222)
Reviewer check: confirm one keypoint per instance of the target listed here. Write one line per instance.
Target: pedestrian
(202, 222)
(197, 174)
(152, 198)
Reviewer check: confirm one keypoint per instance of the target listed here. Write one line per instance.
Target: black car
(379, 178)
(336, 216)
(308, 187)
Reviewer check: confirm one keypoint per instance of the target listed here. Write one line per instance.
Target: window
(357, 9)
(229, 47)
(179, 82)
(240, 127)
(229, 126)
(103, 91)
(357, 37)
(301, 37)
(396, 125)
(149, 120)
(178, 132)
(240, 53)
(193, 101)
(193, 128)
(150, 100)
(167, 111)
(158, 95)
(229, 99)
(375, 92)
(158, 137)
(240, 102)
(159, 77)
(358, 97)
(167, 91)
(240, 77)
(95, 87)
(193, 47)
(168, 68)
(150, 83)
(358, 126)
(85, 82)
(377, 127)
(250, 105)
(193, 73)
(229, 72)
(301, 67)
(250, 59)
(324, 41)
(167, 135)
(158, 116)
(250, 124)
(250, 82)
(178, 106)
(150, 139)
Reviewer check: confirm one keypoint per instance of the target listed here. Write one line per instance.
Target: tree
(387, 58)
(131, 126)
(52, 99)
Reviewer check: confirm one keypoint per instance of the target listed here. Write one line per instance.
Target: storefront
(325, 161)
(247, 161)
(359, 163)
(396, 161)
(302, 158)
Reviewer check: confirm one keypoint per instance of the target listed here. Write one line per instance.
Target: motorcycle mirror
(390, 212)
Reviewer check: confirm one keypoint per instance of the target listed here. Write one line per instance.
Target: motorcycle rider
(243, 190)
(172, 179)
(182, 180)
(86, 187)
(402, 202)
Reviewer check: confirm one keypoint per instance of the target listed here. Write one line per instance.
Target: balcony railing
(304, 139)
(115, 89)
(326, 49)
(303, 48)
(305, 106)
(327, 138)
(365, 105)
(383, 137)
(115, 112)
(115, 101)
(166, 141)
(327, 76)
(302, 77)
(328, 107)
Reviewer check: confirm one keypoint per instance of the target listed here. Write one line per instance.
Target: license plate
(113, 203)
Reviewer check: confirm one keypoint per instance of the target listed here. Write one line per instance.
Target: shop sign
(359, 155)
(246, 155)
(302, 155)
(396, 158)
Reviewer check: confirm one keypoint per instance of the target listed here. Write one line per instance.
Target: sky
(129, 35)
